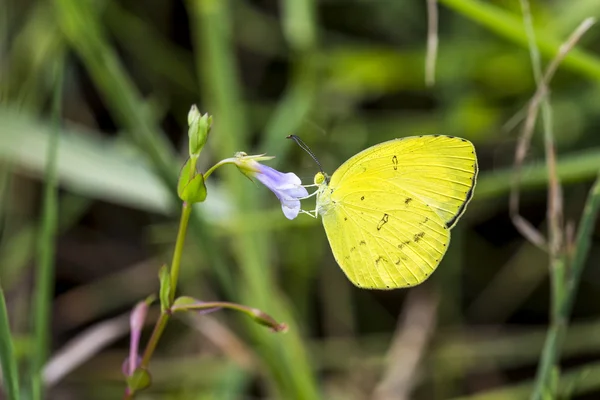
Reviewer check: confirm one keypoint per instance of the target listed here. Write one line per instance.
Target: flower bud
(199, 128)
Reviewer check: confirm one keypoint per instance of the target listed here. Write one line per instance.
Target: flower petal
(290, 208)
(286, 186)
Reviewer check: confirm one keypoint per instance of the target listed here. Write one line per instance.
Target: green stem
(563, 293)
(257, 315)
(546, 378)
(175, 267)
(555, 336)
(153, 342)
(164, 317)
(160, 326)
(217, 165)
(176, 263)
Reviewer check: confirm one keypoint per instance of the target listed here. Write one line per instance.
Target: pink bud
(136, 322)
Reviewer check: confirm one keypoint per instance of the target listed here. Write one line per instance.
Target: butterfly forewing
(437, 170)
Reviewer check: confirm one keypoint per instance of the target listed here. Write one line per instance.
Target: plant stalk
(165, 316)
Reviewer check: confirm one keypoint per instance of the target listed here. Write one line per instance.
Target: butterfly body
(388, 210)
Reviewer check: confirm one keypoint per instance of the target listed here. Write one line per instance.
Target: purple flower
(286, 186)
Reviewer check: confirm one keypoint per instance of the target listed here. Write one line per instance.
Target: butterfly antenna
(304, 147)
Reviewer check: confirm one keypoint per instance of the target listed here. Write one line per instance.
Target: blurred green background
(343, 75)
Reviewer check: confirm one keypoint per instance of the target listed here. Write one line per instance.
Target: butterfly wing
(389, 209)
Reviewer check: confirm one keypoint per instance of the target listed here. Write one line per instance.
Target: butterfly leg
(309, 196)
(311, 213)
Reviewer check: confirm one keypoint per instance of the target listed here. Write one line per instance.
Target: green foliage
(8, 361)
(191, 187)
(139, 380)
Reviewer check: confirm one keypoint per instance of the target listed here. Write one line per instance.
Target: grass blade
(46, 249)
(7, 354)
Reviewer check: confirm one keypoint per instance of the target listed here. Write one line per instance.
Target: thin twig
(526, 229)
(432, 42)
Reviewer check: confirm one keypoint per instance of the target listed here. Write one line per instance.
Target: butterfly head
(321, 178)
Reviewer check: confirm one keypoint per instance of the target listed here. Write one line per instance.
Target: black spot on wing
(383, 221)
(418, 236)
(395, 162)
(405, 243)
(362, 243)
(407, 200)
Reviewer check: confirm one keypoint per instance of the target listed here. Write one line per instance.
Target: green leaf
(7, 354)
(184, 301)
(165, 288)
(191, 187)
(139, 380)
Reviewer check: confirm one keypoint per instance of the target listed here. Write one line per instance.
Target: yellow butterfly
(388, 210)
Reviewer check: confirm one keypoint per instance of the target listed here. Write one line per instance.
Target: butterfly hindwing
(381, 247)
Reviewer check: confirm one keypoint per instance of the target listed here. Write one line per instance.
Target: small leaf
(187, 303)
(165, 288)
(184, 301)
(195, 191)
(191, 187)
(139, 380)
